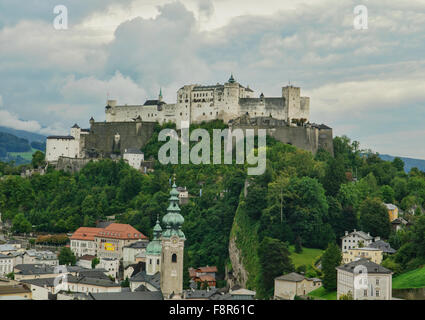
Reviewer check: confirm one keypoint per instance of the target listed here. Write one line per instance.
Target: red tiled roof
(192, 273)
(120, 231)
(207, 269)
(85, 233)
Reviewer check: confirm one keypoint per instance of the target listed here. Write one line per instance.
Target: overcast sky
(367, 84)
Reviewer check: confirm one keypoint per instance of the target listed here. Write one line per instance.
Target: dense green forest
(301, 199)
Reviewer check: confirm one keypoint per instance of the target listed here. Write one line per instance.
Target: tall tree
(334, 176)
(20, 224)
(274, 261)
(67, 257)
(374, 218)
(37, 159)
(331, 259)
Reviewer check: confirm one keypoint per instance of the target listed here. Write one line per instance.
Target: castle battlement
(198, 103)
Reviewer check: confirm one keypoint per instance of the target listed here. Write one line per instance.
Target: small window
(174, 258)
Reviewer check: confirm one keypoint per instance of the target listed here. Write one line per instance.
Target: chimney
(368, 233)
(354, 230)
(346, 233)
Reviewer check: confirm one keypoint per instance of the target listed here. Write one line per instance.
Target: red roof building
(204, 274)
(121, 231)
(109, 240)
(85, 233)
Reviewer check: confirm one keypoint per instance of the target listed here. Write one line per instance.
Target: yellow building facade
(392, 211)
(373, 254)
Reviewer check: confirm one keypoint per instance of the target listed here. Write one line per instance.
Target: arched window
(174, 258)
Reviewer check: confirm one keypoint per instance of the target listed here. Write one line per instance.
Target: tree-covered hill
(11, 143)
(301, 199)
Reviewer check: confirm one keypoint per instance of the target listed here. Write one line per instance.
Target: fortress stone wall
(309, 137)
(107, 138)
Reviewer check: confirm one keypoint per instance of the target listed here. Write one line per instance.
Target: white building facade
(134, 158)
(352, 240)
(6, 265)
(65, 146)
(364, 280)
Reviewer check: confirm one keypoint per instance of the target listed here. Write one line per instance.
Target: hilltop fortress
(286, 118)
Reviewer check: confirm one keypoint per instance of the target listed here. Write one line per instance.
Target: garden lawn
(411, 279)
(322, 293)
(306, 257)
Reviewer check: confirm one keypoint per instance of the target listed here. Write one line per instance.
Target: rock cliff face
(240, 275)
(243, 248)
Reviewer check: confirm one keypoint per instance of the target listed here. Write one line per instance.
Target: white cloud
(10, 120)
(36, 45)
(91, 89)
(357, 98)
(359, 82)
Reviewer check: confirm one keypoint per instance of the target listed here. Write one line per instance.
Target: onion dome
(173, 220)
(154, 247)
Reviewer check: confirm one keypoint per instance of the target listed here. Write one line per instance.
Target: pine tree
(298, 245)
(330, 260)
(275, 261)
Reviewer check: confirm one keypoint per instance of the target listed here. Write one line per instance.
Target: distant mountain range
(30, 136)
(409, 163)
(19, 145)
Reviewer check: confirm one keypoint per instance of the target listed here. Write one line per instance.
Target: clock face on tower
(174, 240)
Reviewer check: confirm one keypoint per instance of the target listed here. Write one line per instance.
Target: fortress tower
(297, 107)
(172, 241)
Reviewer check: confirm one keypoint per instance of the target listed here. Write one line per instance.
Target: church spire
(173, 220)
(231, 79)
(160, 94)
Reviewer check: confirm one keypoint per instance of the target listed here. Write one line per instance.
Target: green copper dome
(154, 247)
(231, 79)
(173, 220)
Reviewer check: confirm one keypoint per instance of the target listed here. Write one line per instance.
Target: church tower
(172, 248)
(160, 95)
(153, 251)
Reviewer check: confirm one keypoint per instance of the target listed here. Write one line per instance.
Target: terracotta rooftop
(113, 230)
(207, 269)
(120, 231)
(85, 233)
(192, 272)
